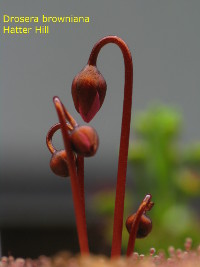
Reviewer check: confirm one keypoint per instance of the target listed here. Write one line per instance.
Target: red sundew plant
(88, 92)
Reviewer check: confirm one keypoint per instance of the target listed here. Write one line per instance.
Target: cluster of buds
(84, 141)
(88, 92)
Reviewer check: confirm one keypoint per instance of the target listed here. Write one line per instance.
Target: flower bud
(58, 163)
(84, 140)
(88, 92)
(145, 225)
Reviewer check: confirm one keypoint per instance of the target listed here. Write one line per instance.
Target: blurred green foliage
(169, 172)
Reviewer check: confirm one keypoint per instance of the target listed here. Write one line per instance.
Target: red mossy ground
(177, 258)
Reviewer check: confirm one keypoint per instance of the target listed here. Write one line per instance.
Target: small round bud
(135, 256)
(198, 249)
(145, 225)
(179, 253)
(19, 262)
(171, 251)
(152, 251)
(188, 244)
(4, 261)
(58, 163)
(88, 92)
(141, 256)
(157, 259)
(84, 140)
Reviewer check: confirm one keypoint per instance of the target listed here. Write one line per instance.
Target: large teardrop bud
(88, 92)
(84, 140)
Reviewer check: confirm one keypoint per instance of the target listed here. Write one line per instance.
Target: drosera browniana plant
(88, 92)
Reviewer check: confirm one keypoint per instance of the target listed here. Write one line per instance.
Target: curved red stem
(142, 208)
(79, 214)
(69, 117)
(50, 134)
(124, 141)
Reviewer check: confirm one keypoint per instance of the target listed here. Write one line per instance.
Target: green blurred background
(170, 171)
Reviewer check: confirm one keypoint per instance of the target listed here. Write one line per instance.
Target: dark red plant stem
(142, 208)
(79, 214)
(80, 164)
(69, 117)
(49, 136)
(80, 173)
(124, 141)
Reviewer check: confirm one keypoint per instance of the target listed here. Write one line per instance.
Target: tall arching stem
(124, 141)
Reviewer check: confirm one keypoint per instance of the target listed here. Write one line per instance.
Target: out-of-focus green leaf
(177, 219)
(137, 153)
(158, 119)
(170, 174)
(104, 203)
(192, 154)
(189, 182)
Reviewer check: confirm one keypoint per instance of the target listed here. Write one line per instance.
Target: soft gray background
(164, 39)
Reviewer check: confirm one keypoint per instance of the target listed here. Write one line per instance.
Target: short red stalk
(124, 141)
(142, 208)
(80, 164)
(69, 117)
(77, 195)
(80, 173)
